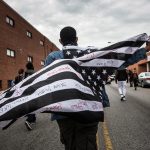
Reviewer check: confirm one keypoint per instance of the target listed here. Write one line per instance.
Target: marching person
(31, 118)
(19, 77)
(121, 78)
(74, 135)
(135, 79)
(130, 73)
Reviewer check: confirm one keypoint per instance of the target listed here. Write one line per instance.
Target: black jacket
(121, 75)
(28, 73)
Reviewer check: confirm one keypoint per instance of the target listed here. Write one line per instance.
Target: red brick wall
(140, 66)
(15, 38)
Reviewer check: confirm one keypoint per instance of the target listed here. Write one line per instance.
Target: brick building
(20, 43)
(142, 66)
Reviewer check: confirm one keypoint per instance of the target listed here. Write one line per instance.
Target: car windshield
(147, 74)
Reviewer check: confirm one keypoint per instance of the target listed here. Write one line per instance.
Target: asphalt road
(45, 136)
(127, 124)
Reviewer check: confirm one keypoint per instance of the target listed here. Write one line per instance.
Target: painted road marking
(97, 141)
(107, 140)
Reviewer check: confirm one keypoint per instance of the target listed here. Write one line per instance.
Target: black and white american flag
(71, 86)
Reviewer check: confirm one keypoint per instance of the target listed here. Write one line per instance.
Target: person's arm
(53, 56)
(137, 56)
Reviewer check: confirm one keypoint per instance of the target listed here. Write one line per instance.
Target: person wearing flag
(73, 135)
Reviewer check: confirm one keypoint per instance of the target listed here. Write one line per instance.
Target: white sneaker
(28, 125)
(124, 99)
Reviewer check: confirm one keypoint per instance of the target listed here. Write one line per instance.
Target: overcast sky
(97, 21)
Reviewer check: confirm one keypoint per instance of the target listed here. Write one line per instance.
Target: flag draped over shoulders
(71, 86)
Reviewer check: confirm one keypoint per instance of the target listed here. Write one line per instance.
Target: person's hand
(147, 47)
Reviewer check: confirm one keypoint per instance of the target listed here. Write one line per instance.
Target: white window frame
(29, 34)
(10, 53)
(30, 59)
(10, 21)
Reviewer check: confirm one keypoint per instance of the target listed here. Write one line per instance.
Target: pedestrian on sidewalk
(121, 78)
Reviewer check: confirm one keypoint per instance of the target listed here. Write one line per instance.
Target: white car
(144, 79)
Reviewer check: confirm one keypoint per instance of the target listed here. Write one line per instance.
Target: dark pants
(31, 118)
(131, 82)
(135, 82)
(77, 136)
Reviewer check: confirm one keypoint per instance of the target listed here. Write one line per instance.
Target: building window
(42, 62)
(41, 43)
(29, 34)
(10, 53)
(10, 21)
(30, 59)
(0, 84)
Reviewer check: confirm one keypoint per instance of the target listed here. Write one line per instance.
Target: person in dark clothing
(130, 78)
(31, 118)
(135, 79)
(19, 77)
(121, 78)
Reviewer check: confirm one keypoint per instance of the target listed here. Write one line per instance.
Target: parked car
(144, 79)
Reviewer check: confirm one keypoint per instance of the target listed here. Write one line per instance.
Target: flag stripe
(35, 103)
(25, 92)
(124, 44)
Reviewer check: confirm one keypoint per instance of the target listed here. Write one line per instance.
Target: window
(0, 84)
(30, 59)
(41, 42)
(42, 62)
(29, 34)
(10, 21)
(10, 53)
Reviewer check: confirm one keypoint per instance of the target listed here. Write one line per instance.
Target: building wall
(141, 66)
(15, 38)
